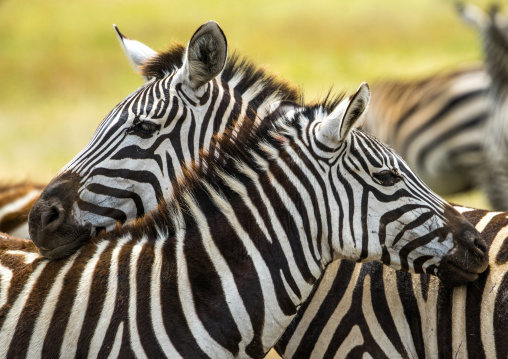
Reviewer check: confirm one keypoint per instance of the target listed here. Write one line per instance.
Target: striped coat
(221, 269)
(370, 310)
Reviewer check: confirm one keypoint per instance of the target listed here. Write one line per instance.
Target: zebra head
(380, 210)
(128, 165)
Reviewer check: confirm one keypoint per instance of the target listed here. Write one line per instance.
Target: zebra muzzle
(51, 226)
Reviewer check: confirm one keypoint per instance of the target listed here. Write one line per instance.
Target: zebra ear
(473, 15)
(206, 55)
(136, 52)
(357, 106)
(336, 127)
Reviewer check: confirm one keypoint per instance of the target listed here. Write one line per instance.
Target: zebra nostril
(480, 245)
(52, 217)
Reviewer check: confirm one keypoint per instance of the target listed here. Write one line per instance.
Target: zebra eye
(143, 128)
(387, 177)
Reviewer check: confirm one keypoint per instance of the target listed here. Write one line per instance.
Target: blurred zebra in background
(372, 311)
(222, 267)
(493, 31)
(452, 128)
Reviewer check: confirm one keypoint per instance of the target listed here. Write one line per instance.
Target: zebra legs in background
(369, 308)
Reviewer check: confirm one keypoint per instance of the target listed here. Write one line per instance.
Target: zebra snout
(471, 251)
(466, 260)
(52, 217)
(51, 225)
(476, 245)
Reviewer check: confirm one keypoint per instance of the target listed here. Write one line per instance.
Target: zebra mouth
(455, 274)
(66, 249)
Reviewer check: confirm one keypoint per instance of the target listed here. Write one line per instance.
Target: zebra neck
(247, 252)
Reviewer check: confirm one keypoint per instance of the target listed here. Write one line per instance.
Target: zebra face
(136, 151)
(380, 209)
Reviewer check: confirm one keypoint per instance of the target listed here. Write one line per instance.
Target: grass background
(62, 69)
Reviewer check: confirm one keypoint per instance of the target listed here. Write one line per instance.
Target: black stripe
(118, 193)
(500, 317)
(411, 309)
(184, 343)
(137, 176)
(206, 288)
(116, 214)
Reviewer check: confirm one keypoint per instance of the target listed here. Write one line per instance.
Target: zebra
(370, 310)
(192, 93)
(222, 265)
(16, 200)
(493, 32)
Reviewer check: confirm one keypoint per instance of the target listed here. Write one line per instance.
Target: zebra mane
(165, 62)
(245, 74)
(245, 136)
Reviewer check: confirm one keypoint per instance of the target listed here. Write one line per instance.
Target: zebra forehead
(165, 62)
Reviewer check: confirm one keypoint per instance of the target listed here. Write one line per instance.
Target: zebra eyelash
(388, 177)
(143, 128)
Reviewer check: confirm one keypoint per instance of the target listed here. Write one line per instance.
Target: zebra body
(16, 200)
(221, 269)
(437, 124)
(370, 310)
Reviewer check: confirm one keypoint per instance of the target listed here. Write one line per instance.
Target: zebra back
(436, 124)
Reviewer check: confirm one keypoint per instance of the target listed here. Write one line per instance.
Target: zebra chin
(461, 266)
(57, 241)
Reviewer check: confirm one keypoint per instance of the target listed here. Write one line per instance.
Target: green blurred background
(62, 69)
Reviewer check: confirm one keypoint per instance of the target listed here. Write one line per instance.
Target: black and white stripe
(370, 310)
(221, 268)
(16, 200)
